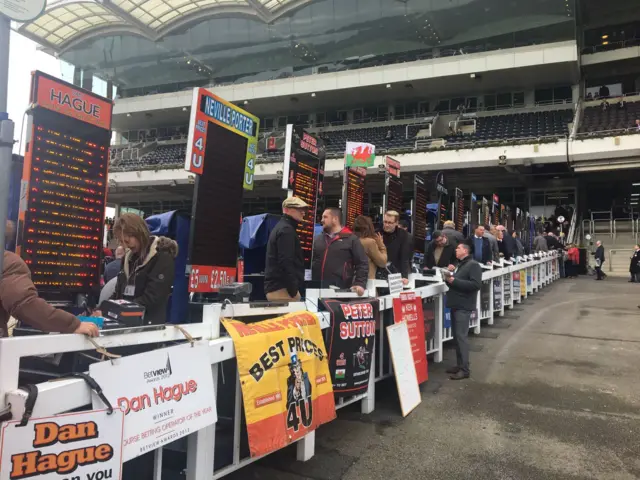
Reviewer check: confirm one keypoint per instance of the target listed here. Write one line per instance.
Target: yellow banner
(523, 283)
(284, 375)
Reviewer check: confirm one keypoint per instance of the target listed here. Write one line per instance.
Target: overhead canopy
(65, 22)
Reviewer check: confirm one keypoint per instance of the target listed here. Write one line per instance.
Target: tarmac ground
(554, 394)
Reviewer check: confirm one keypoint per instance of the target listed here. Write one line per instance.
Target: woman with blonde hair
(148, 267)
(372, 242)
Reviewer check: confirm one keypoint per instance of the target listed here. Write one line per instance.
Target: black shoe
(459, 376)
(454, 370)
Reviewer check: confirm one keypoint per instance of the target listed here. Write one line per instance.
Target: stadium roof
(67, 22)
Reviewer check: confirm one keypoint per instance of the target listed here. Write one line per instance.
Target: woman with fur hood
(148, 267)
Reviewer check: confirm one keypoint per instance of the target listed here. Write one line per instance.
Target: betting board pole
(6, 131)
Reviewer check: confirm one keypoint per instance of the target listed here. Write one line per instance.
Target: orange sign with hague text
(77, 103)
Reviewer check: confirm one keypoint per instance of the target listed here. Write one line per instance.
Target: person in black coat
(634, 267)
(442, 247)
(398, 243)
(462, 296)
(506, 244)
(148, 268)
(480, 246)
(284, 268)
(600, 259)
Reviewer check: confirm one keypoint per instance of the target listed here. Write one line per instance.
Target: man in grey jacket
(493, 241)
(454, 236)
(540, 243)
(462, 296)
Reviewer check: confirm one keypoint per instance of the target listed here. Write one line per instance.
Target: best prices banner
(84, 445)
(285, 380)
(351, 341)
(165, 394)
(408, 308)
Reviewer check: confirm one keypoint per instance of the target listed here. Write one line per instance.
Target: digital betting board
(353, 194)
(64, 186)
(393, 186)
(303, 176)
(459, 217)
(419, 214)
(221, 151)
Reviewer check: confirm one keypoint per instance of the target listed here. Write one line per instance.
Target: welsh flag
(359, 154)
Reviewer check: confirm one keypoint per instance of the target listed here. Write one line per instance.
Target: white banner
(165, 394)
(85, 445)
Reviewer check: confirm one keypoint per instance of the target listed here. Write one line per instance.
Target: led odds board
(221, 152)
(64, 186)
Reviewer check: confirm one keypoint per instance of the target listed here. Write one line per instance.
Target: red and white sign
(85, 445)
(165, 395)
(205, 279)
(393, 167)
(408, 308)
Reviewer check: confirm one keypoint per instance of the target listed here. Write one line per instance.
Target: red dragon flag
(359, 154)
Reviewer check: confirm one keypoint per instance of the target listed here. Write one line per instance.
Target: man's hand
(449, 279)
(358, 290)
(405, 281)
(89, 329)
(451, 268)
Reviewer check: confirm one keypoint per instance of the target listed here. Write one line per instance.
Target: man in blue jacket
(462, 296)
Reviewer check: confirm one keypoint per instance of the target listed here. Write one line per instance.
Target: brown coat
(19, 299)
(376, 253)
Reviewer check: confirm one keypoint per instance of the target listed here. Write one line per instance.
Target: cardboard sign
(507, 289)
(285, 380)
(523, 284)
(351, 341)
(497, 294)
(85, 445)
(165, 394)
(403, 367)
(408, 308)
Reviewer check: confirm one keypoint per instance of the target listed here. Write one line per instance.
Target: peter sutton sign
(165, 394)
(84, 445)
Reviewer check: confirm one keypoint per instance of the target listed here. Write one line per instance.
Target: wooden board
(404, 368)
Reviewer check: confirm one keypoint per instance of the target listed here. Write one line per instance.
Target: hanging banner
(507, 289)
(497, 294)
(351, 341)
(429, 313)
(485, 298)
(165, 394)
(516, 284)
(408, 308)
(286, 385)
(84, 445)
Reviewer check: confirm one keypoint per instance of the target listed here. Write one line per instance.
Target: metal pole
(6, 131)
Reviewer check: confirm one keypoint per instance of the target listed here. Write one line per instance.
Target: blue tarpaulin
(254, 235)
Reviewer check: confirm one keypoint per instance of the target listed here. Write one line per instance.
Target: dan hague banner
(285, 380)
(165, 394)
(84, 445)
(351, 341)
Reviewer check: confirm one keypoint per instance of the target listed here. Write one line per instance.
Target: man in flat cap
(284, 270)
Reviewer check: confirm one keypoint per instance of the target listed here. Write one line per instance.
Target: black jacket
(505, 247)
(152, 278)
(447, 257)
(285, 261)
(340, 261)
(487, 253)
(599, 254)
(634, 267)
(467, 280)
(399, 250)
(553, 243)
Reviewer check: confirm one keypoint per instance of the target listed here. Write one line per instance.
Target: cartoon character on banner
(298, 384)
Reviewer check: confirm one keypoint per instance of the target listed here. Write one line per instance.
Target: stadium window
(456, 102)
(411, 108)
(357, 115)
(383, 113)
(303, 119)
(399, 111)
(268, 123)
(282, 122)
(472, 104)
(442, 106)
(503, 100)
(518, 99)
(490, 102)
(321, 118)
(293, 119)
(369, 113)
(424, 107)
(562, 93)
(544, 95)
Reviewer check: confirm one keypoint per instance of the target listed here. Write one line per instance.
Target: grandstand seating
(336, 140)
(163, 156)
(595, 119)
(512, 127)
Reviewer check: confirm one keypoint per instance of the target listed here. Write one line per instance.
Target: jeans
(599, 273)
(460, 324)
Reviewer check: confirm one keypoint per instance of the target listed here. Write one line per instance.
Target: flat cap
(294, 202)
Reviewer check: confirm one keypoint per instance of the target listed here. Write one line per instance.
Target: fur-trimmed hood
(158, 244)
